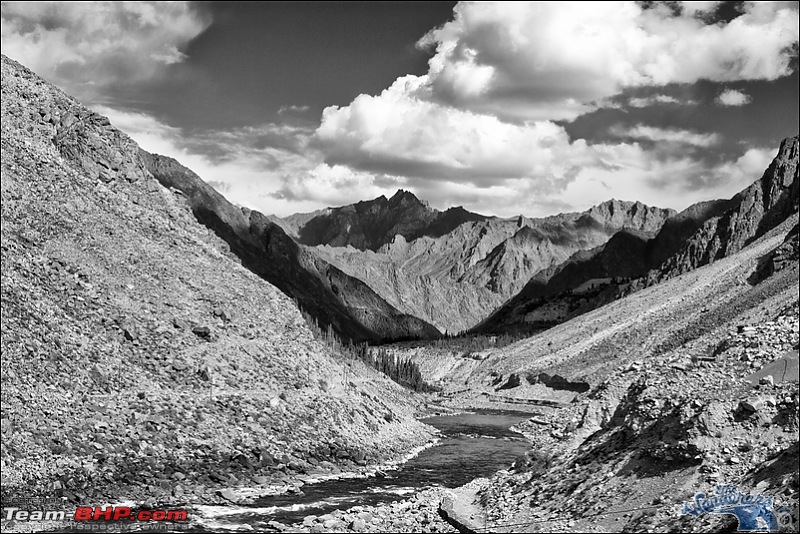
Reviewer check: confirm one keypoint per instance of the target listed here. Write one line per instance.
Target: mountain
(140, 359)
(629, 261)
(368, 225)
(753, 212)
(645, 401)
(456, 279)
(349, 306)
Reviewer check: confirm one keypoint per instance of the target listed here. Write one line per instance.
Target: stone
(228, 495)
(752, 404)
(358, 525)
(767, 380)
(202, 331)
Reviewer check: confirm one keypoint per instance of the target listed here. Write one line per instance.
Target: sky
(512, 108)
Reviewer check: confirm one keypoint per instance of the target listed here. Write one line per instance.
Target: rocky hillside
(140, 359)
(331, 297)
(454, 280)
(629, 262)
(646, 401)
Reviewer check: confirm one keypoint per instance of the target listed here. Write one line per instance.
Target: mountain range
(163, 345)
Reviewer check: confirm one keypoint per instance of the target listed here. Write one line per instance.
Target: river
(471, 446)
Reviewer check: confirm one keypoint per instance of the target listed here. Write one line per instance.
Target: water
(472, 445)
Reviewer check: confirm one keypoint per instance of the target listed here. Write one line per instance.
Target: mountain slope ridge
(141, 361)
(699, 235)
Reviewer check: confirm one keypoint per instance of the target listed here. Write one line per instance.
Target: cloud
(293, 110)
(643, 102)
(397, 134)
(301, 182)
(732, 97)
(84, 46)
(333, 185)
(668, 135)
(236, 162)
(483, 117)
(557, 60)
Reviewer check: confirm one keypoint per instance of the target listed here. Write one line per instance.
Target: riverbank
(471, 446)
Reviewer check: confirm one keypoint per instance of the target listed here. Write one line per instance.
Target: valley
(383, 366)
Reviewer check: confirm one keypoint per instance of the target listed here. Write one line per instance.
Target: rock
(513, 381)
(767, 380)
(228, 495)
(203, 332)
(129, 330)
(265, 458)
(243, 460)
(751, 405)
(358, 525)
(222, 314)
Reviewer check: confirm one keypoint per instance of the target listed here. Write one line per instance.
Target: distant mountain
(455, 279)
(370, 224)
(630, 261)
(348, 305)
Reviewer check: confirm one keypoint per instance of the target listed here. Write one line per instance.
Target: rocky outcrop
(782, 257)
(752, 213)
(332, 297)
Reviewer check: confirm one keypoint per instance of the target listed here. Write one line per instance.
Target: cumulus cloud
(668, 135)
(483, 118)
(87, 45)
(557, 60)
(732, 97)
(397, 134)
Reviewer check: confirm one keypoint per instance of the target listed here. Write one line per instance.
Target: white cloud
(699, 8)
(643, 102)
(668, 135)
(481, 119)
(557, 60)
(302, 183)
(293, 109)
(84, 46)
(234, 161)
(395, 133)
(676, 182)
(732, 97)
(334, 185)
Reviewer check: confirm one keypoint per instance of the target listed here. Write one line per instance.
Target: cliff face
(752, 213)
(332, 297)
(140, 359)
